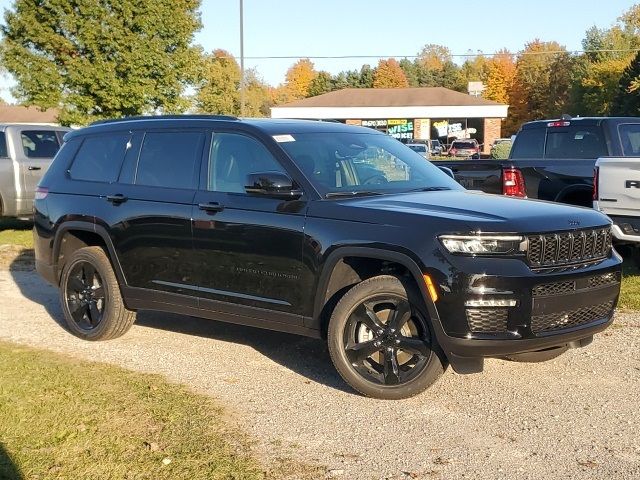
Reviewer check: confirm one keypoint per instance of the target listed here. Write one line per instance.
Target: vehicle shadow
(306, 356)
(8, 469)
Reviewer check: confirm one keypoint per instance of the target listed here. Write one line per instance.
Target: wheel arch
(577, 190)
(72, 235)
(339, 273)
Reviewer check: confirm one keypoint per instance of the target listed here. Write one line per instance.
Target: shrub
(501, 150)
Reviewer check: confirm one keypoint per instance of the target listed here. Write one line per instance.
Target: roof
(267, 126)
(381, 103)
(22, 114)
(391, 97)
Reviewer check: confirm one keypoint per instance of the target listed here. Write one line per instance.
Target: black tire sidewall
(335, 339)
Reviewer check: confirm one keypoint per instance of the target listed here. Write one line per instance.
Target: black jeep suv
(319, 229)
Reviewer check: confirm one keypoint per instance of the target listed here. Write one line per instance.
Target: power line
(457, 55)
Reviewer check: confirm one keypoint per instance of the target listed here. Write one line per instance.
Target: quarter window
(529, 144)
(39, 143)
(99, 158)
(169, 159)
(3, 145)
(233, 157)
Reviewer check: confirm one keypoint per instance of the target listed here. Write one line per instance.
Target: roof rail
(165, 117)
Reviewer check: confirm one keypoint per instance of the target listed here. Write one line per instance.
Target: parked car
(421, 148)
(436, 147)
(550, 160)
(616, 187)
(468, 148)
(26, 150)
(267, 223)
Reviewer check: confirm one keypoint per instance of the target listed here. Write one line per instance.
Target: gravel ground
(574, 417)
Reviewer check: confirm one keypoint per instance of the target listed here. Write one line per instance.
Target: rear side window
(630, 139)
(169, 159)
(529, 144)
(3, 146)
(39, 143)
(575, 141)
(99, 158)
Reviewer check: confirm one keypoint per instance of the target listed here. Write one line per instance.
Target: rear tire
(380, 340)
(90, 297)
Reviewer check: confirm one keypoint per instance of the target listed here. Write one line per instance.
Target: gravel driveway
(574, 417)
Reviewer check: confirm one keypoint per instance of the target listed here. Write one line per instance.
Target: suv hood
(475, 210)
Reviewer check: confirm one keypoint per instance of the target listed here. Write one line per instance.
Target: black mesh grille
(601, 280)
(568, 247)
(487, 320)
(570, 318)
(559, 288)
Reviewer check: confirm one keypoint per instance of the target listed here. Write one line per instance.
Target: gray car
(26, 151)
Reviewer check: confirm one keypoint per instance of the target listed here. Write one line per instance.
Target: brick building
(408, 114)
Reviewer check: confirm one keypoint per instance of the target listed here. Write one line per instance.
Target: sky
(305, 28)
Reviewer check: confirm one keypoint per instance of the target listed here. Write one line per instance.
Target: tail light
(513, 183)
(453, 151)
(596, 175)
(41, 193)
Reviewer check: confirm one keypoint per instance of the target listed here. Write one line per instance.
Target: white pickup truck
(616, 186)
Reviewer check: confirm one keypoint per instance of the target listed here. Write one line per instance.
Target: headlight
(484, 244)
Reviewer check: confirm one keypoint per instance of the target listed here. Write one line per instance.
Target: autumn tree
(501, 71)
(434, 57)
(97, 59)
(627, 100)
(529, 95)
(298, 79)
(388, 74)
(475, 69)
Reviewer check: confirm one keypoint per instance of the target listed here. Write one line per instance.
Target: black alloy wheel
(85, 295)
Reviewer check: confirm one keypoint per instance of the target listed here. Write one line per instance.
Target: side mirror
(448, 171)
(272, 184)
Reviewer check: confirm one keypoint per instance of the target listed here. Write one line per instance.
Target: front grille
(570, 318)
(548, 289)
(487, 320)
(568, 247)
(601, 280)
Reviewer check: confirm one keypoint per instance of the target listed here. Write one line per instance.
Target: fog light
(491, 303)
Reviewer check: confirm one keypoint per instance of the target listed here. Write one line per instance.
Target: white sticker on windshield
(283, 138)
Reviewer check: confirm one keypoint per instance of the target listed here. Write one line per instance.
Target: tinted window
(3, 145)
(39, 143)
(235, 156)
(352, 162)
(630, 139)
(463, 145)
(418, 148)
(99, 158)
(575, 142)
(529, 144)
(169, 159)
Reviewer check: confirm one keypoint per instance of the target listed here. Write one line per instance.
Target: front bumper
(551, 310)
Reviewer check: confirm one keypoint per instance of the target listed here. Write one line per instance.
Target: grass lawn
(16, 232)
(64, 418)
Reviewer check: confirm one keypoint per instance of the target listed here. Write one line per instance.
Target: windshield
(418, 148)
(363, 162)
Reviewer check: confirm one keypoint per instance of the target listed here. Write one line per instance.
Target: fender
(341, 252)
(578, 187)
(93, 228)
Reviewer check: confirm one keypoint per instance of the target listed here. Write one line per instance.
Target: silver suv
(26, 151)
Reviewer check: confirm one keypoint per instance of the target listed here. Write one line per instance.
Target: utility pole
(241, 61)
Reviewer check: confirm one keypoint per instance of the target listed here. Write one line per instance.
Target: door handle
(211, 207)
(32, 168)
(117, 198)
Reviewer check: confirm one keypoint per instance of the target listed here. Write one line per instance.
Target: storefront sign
(400, 128)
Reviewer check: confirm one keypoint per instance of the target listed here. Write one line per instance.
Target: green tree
(95, 59)
(627, 100)
(366, 76)
(322, 83)
(218, 89)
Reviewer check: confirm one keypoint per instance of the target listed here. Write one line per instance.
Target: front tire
(90, 297)
(380, 341)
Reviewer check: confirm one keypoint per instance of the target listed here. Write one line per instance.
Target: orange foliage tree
(388, 74)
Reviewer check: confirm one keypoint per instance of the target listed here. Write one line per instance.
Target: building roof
(22, 114)
(380, 103)
(391, 97)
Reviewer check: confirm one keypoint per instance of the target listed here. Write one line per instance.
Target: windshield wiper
(351, 194)
(428, 189)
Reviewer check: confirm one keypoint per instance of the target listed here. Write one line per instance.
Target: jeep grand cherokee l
(281, 224)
